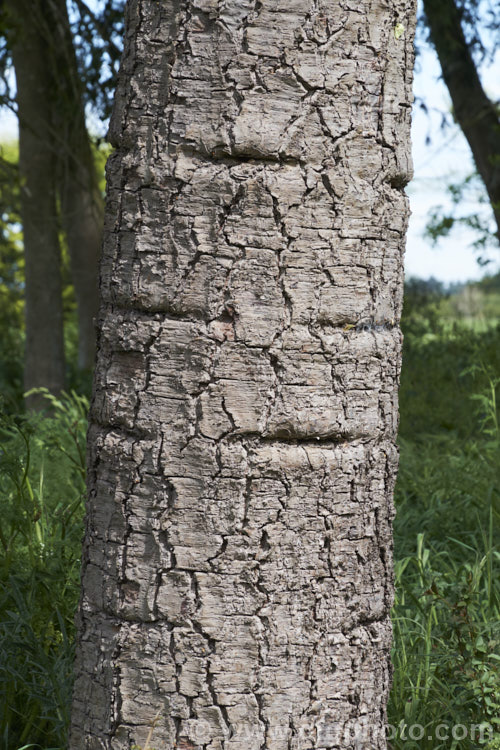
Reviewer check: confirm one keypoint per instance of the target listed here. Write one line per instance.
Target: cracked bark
(237, 572)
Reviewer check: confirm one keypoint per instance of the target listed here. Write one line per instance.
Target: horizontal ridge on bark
(237, 575)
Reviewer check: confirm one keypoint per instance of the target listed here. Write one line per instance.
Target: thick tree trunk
(475, 113)
(237, 577)
(44, 359)
(81, 201)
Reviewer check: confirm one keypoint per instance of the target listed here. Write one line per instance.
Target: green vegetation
(447, 611)
(12, 325)
(11, 279)
(42, 468)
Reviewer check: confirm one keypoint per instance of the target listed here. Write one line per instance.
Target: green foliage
(97, 29)
(41, 505)
(12, 282)
(98, 38)
(422, 313)
(441, 223)
(447, 609)
(441, 350)
(11, 278)
(447, 639)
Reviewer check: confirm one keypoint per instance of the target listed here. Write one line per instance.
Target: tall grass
(42, 472)
(446, 618)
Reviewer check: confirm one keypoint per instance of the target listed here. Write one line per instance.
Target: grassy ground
(446, 616)
(41, 510)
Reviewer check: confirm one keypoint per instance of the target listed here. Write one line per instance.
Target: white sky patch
(8, 125)
(447, 158)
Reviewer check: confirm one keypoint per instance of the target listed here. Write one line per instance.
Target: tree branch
(99, 27)
(476, 114)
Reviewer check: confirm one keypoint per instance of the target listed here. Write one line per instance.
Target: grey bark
(44, 354)
(237, 568)
(476, 114)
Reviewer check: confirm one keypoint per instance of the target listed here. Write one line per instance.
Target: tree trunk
(237, 573)
(44, 358)
(60, 157)
(475, 113)
(81, 200)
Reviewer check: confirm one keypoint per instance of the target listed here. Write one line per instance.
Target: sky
(446, 158)
(439, 157)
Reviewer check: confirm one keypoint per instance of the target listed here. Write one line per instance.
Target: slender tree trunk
(82, 218)
(61, 156)
(81, 200)
(476, 114)
(44, 359)
(237, 574)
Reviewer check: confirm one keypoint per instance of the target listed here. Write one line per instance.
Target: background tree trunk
(82, 210)
(237, 575)
(62, 190)
(44, 358)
